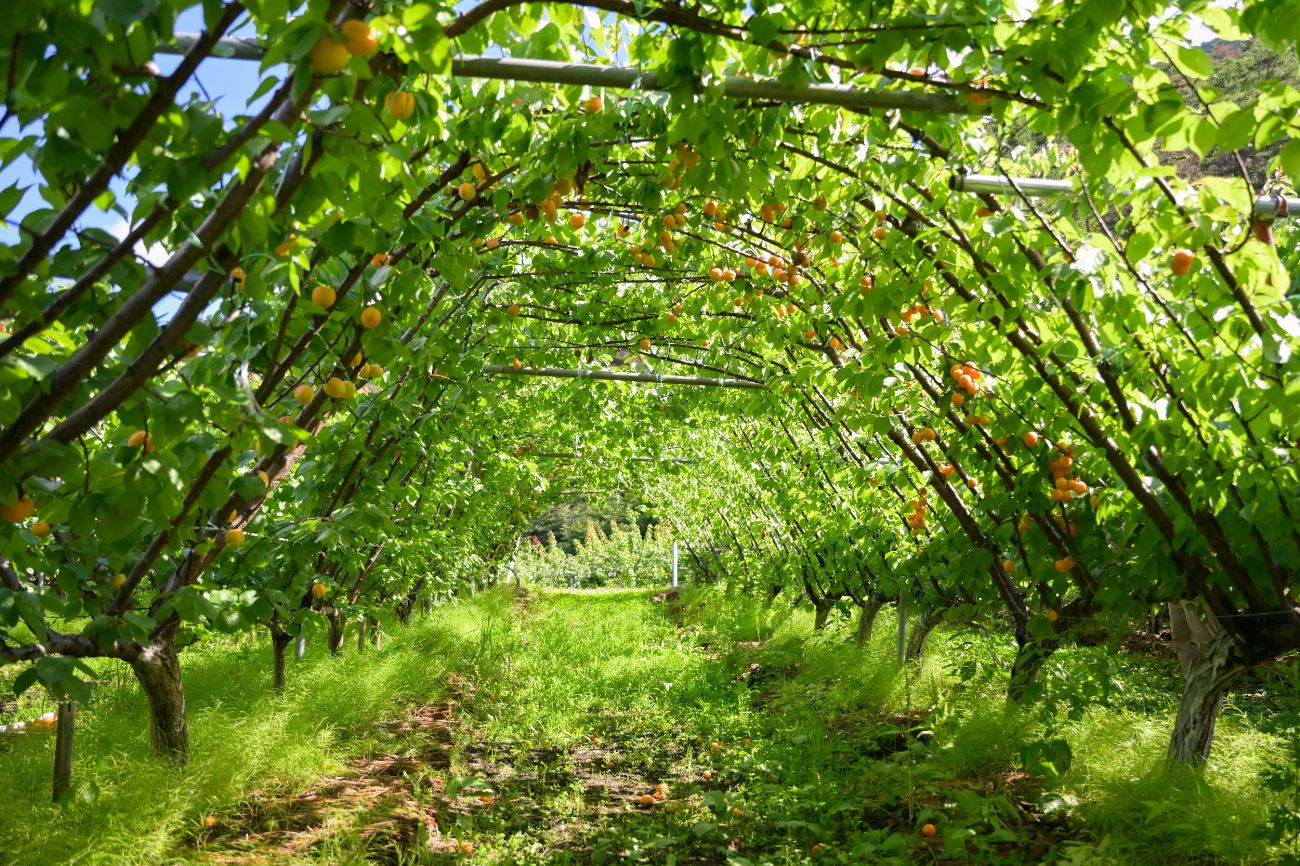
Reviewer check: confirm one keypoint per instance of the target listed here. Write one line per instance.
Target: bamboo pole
(1266, 208)
(611, 376)
(628, 78)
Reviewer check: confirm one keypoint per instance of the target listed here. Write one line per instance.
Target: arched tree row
(1059, 409)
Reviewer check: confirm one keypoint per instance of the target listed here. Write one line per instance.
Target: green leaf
(1192, 62)
(1289, 159)
(763, 28)
(25, 680)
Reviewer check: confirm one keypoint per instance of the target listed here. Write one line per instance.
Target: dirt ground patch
(388, 802)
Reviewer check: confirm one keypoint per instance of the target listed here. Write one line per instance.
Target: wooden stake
(63, 748)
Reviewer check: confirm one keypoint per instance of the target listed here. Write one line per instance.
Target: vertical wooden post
(902, 626)
(63, 748)
(674, 563)
(514, 555)
(361, 634)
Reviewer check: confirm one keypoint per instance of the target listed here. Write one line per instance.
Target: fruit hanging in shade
(329, 56)
(323, 296)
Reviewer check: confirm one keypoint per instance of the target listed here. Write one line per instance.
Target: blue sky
(227, 82)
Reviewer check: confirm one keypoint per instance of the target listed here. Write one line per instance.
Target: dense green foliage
(384, 284)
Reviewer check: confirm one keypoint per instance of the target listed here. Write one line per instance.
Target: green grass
(585, 700)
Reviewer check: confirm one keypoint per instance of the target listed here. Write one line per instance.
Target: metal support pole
(1266, 208)
(610, 376)
(299, 647)
(63, 748)
(674, 564)
(630, 78)
(902, 626)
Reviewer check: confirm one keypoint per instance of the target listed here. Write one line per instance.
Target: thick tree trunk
(336, 625)
(361, 634)
(280, 641)
(158, 670)
(1030, 656)
(1216, 668)
(374, 631)
(867, 620)
(407, 604)
(823, 608)
(920, 636)
(1193, 628)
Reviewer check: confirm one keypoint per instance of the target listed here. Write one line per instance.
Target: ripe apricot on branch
(928, 830)
(1180, 264)
(323, 296)
(467, 191)
(40, 529)
(339, 389)
(141, 439)
(329, 56)
(1030, 439)
(371, 317)
(234, 537)
(304, 393)
(594, 104)
(1064, 564)
(17, 512)
(318, 590)
(361, 38)
(399, 104)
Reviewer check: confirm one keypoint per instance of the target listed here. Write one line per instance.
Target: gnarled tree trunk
(158, 670)
(280, 641)
(1030, 655)
(867, 620)
(336, 625)
(1208, 679)
(407, 604)
(823, 608)
(920, 635)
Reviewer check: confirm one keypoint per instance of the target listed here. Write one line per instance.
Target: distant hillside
(1239, 67)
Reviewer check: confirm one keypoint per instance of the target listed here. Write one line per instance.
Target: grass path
(530, 729)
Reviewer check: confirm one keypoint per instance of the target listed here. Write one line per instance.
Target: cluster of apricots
(658, 795)
(1064, 486)
(684, 158)
(920, 311)
(916, 517)
(966, 382)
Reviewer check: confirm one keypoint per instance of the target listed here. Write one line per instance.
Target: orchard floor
(527, 729)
